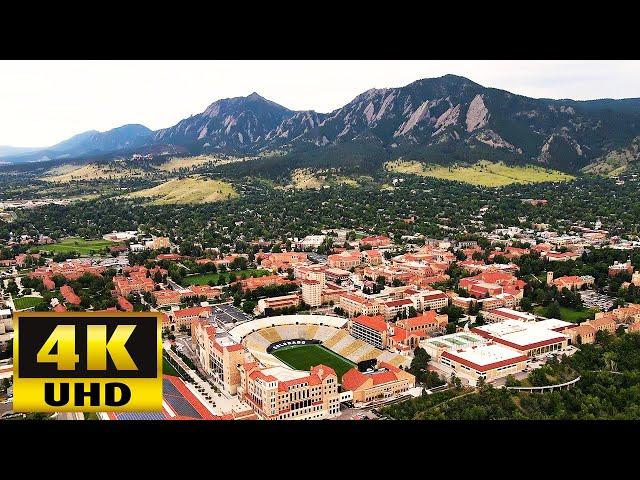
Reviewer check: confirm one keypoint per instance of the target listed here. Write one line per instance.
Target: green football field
(303, 357)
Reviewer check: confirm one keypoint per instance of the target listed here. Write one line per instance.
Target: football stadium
(303, 341)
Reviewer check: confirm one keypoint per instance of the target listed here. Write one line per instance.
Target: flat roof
(458, 339)
(520, 335)
(552, 324)
(225, 340)
(485, 357)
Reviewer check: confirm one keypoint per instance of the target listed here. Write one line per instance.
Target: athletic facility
(303, 341)
(178, 403)
(306, 356)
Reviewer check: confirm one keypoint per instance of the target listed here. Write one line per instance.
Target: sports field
(205, 278)
(26, 302)
(80, 245)
(303, 357)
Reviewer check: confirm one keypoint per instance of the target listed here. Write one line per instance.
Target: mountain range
(449, 119)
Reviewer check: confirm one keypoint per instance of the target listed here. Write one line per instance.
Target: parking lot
(316, 257)
(593, 299)
(226, 313)
(356, 414)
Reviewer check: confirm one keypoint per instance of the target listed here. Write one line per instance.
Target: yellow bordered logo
(87, 362)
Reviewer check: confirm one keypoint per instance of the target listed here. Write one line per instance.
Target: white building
(528, 338)
(489, 361)
(311, 241)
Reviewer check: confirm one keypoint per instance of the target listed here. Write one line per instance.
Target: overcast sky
(44, 102)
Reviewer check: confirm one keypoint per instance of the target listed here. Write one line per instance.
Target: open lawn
(205, 278)
(167, 368)
(569, 314)
(483, 173)
(194, 189)
(80, 245)
(26, 302)
(303, 357)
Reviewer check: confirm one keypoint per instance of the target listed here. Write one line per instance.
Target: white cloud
(43, 102)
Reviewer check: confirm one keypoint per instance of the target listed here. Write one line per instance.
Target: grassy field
(569, 314)
(26, 302)
(68, 172)
(303, 357)
(305, 178)
(187, 190)
(205, 278)
(175, 163)
(80, 245)
(167, 368)
(483, 173)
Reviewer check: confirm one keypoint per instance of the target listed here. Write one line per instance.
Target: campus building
(572, 282)
(254, 283)
(376, 241)
(372, 257)
(218, 353)
(311, 272)
(384, 381)
(392, 308)
(167, 297)
(172, 321)
(616, 269)
(69, 295)
(436, 346)
(279, 393)
(502, 314)
(354, 305)
(581, 334)
(277, 303)
(528, 338)
(210, 293)
(157, 243)
(281, 261)
(125, 286)
(345, 260)
(371, 329)
(428, 322)
(312, 292)
(489, 361)
(431, 300)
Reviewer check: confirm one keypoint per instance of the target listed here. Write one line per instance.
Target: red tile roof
(191, 312)
(398, 303)
(376, 322)
(124, 304)
(69, 295)
(354, 379)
